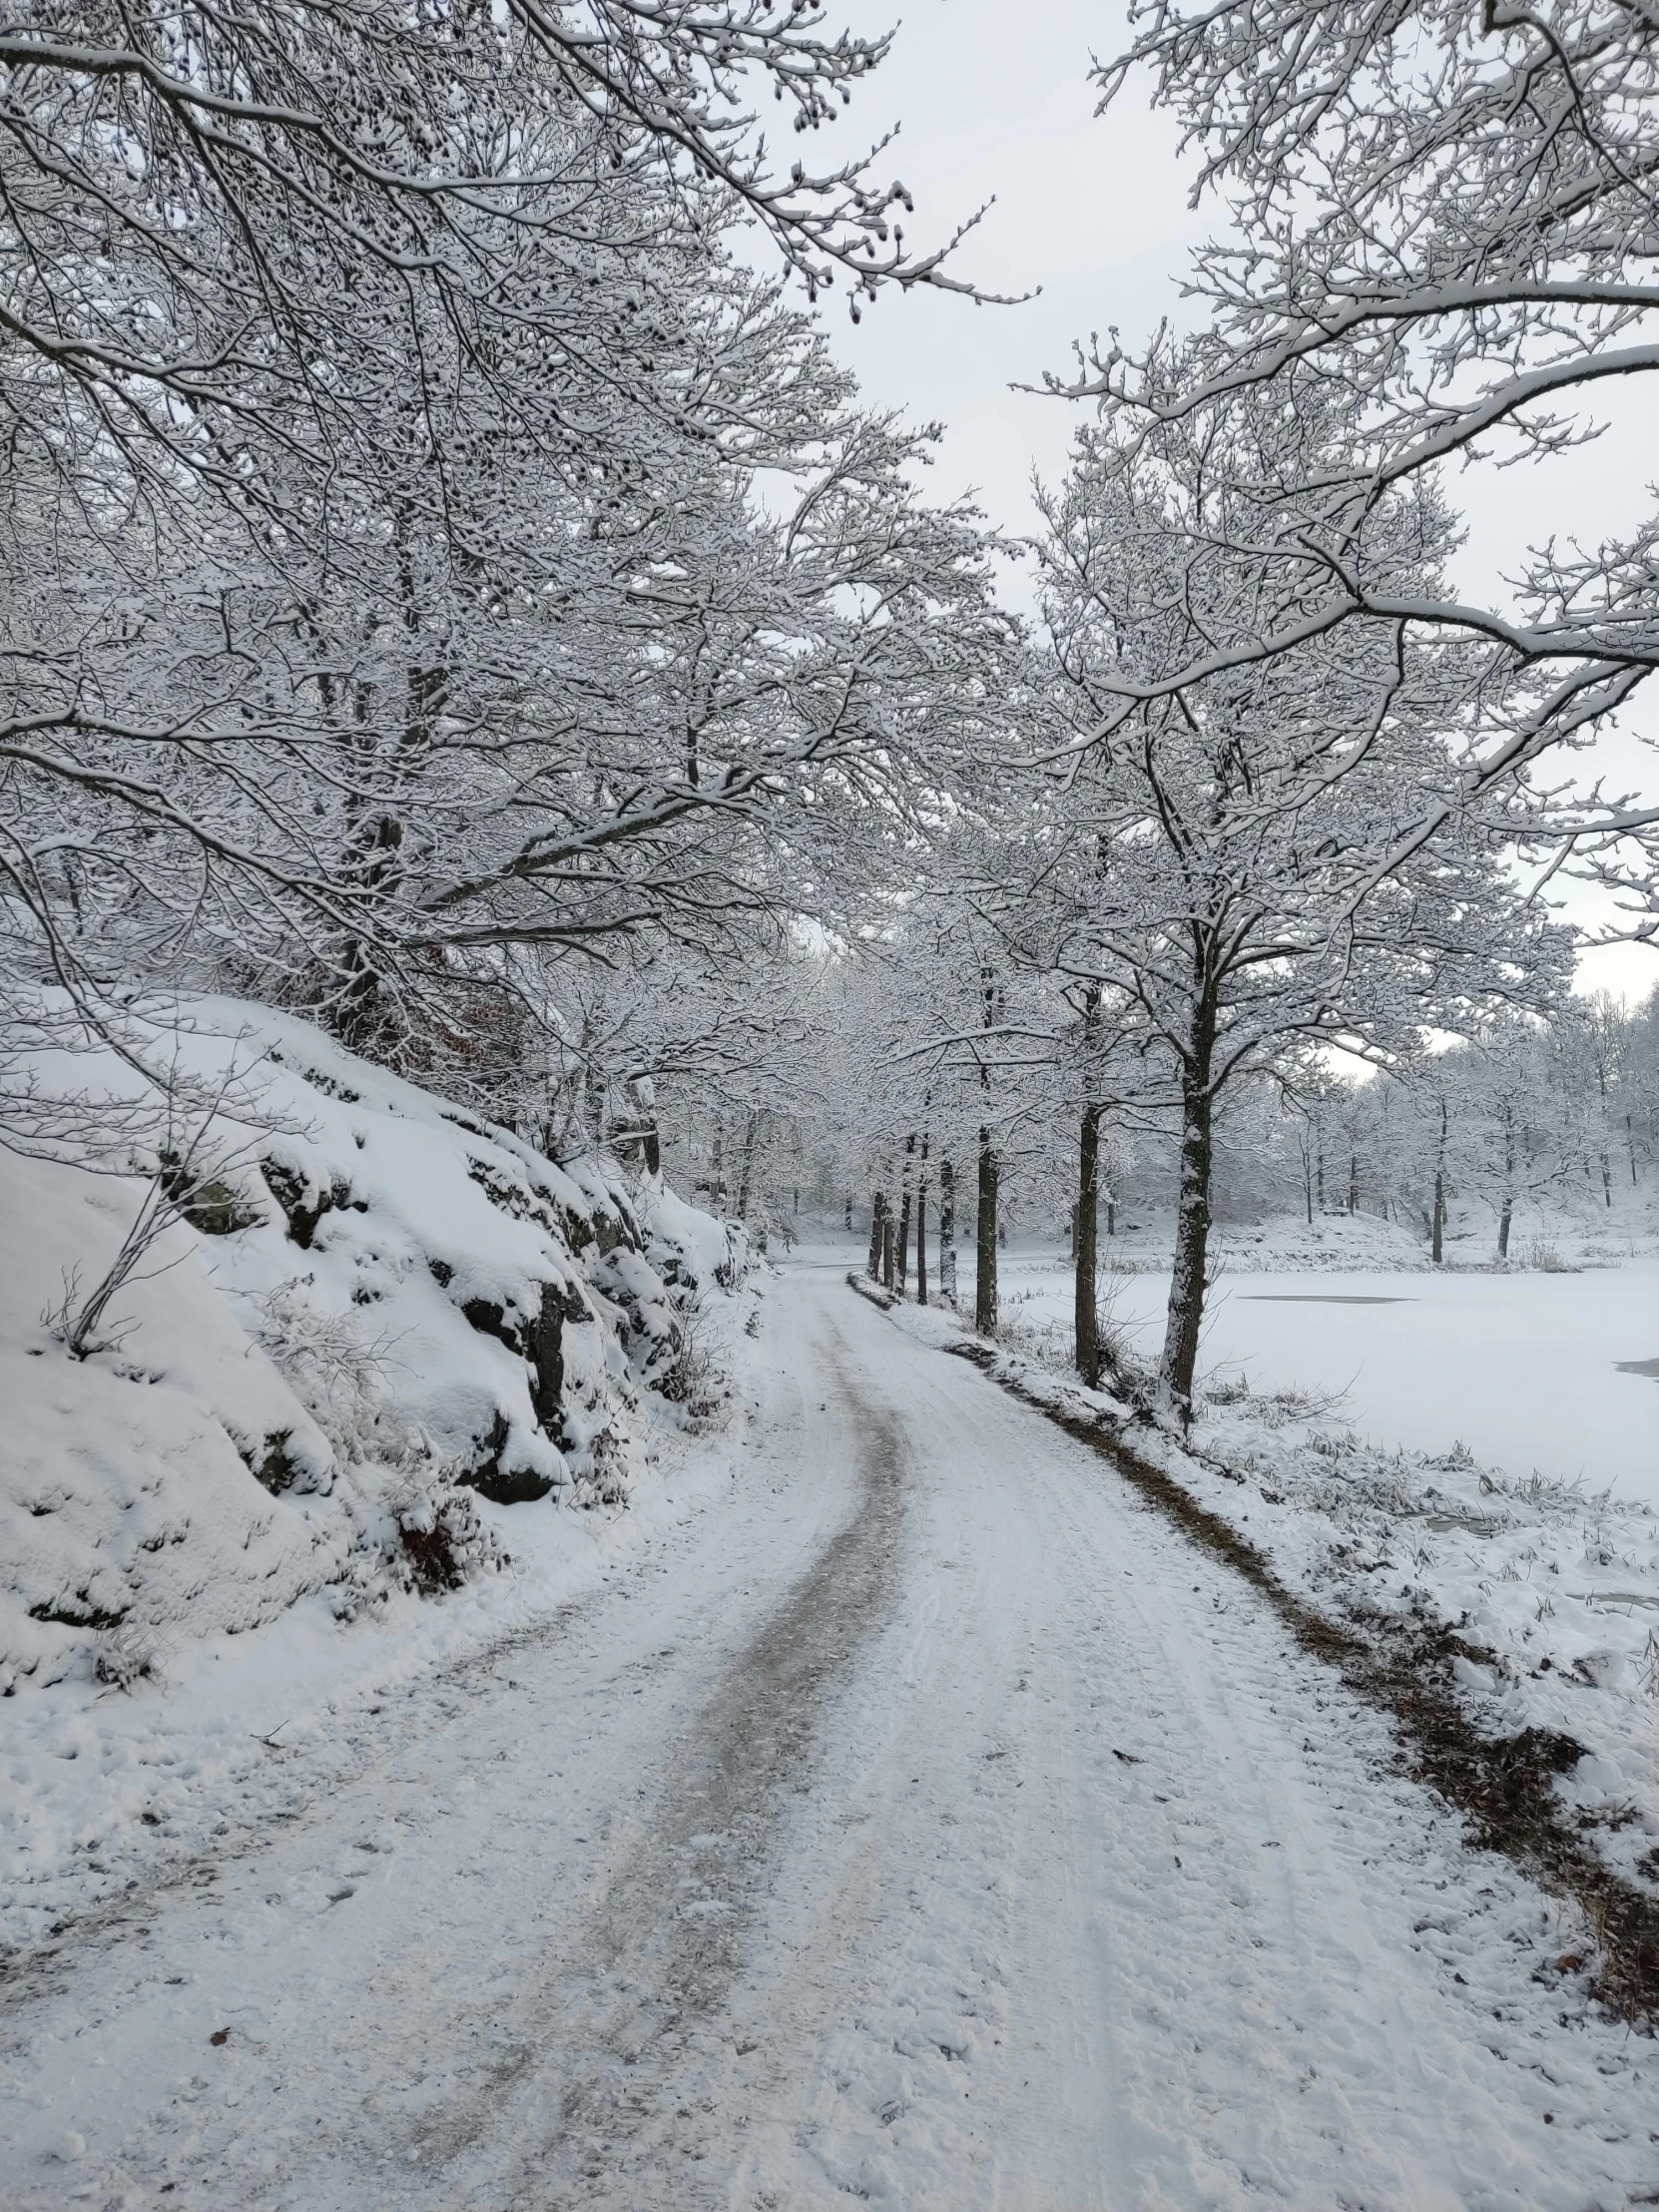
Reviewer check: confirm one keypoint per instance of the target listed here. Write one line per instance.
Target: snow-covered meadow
(1533, 1373)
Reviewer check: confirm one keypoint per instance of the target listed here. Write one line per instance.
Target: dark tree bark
(985, 1288)
(947, 1231)
(1086, 1314)
(747, 1175)
(921, 1228)
(904, 1213)
(1192, 1223)
(984, 1285)
(886, 1251)
(1438, 1230)
(877, 1215)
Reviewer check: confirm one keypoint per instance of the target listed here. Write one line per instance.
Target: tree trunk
(905, 1213)
(1086, 1315)
(1111, 1217)
(947, 1231)
(878, 1214)
(984, 1289)
(921, 1229)
(1509, 1213)
(848, 1209)
(1440, 1192)
(1353, 1182)
(747, 1175)
(1192, 1234)
(886, 1251)
(1184, 1318)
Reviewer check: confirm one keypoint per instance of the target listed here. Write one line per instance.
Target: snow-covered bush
(338, 1374)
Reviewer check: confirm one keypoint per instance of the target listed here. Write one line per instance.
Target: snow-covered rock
(376, 1309)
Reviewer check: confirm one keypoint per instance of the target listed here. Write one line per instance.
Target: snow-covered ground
(1525, 1369)
(917, 1819)
(372, 1310)
(388, 1351)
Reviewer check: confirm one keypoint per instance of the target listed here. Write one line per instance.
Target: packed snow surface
(917, 1819)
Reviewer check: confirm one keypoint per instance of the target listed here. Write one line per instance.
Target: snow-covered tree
(1447, 215)
(1249, 867)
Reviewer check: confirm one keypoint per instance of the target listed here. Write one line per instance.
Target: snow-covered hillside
(372, 1312)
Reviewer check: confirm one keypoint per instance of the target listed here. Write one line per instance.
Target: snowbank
(376, 1311)
(131, 1492)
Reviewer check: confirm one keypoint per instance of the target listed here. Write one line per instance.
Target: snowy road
(923, 1821)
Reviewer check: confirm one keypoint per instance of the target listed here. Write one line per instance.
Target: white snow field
(1524, 1369)
(917, 1820)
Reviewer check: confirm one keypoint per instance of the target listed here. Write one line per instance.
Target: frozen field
(1522, 1369)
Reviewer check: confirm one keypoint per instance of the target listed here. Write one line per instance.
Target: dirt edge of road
(1503, 1786)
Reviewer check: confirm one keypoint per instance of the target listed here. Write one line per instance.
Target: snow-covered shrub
(647, 1315)
(693, 1380)
(131, 1653)
(442, 1537)
(338, 1374)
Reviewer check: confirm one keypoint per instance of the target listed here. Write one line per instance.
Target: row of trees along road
(1296, 755)
(447, 589)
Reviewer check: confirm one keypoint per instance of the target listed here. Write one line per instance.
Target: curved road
(921, 1823)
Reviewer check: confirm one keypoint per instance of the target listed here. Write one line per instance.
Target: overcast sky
(995, 105)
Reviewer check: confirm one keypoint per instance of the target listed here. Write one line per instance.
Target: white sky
(994, 105)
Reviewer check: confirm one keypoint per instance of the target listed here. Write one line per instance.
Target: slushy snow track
(924, 1822)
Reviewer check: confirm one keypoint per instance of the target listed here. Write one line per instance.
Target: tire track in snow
(1216, 1953)
(642, 2008)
